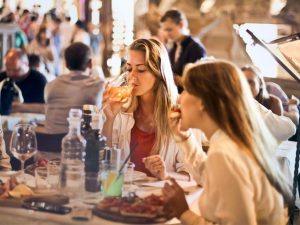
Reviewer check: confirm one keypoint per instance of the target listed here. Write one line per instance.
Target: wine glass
(23, 144)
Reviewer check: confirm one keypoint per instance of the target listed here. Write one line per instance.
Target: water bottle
(72, 158)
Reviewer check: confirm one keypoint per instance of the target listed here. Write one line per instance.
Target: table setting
(32, 193)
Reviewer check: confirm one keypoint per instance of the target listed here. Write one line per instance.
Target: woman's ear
(200, 105)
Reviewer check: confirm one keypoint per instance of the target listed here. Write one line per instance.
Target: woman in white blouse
(141, 129)
(240, 176)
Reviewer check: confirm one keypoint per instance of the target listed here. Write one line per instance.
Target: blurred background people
(30, 82)
(43, 46)
(72, 90)
(185, 49)
(80, 34)
(259, 91)
(289, 105)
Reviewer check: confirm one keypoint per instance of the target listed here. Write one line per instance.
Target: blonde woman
(240, 176)
(143, 128)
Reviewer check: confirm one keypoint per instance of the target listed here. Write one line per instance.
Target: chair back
(49, 142)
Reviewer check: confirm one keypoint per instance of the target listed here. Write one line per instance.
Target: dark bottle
(95, 144)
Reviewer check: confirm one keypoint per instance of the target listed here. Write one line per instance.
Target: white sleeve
(194, 157)
(281, 127)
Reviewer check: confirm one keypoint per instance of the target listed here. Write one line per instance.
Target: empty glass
(23, 144)
(53, 168)
(41, 178)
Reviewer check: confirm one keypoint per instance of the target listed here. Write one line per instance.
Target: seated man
(29, 82)
(72, 90)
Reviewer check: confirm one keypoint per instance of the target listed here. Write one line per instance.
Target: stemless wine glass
(23, 144)
(120, 90)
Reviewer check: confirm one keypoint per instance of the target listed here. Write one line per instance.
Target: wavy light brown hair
(227, 99)
(164, 90)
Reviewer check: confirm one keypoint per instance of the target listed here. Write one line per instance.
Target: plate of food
(132, 209)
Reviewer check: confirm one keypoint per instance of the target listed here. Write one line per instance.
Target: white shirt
(281, 127)
(236, 191)
(82, 36)
(170, 152)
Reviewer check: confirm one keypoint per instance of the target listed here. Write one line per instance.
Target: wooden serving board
(17, 202)
(117, 217)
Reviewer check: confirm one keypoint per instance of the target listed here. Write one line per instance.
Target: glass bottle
(72, 158)
(94, 148)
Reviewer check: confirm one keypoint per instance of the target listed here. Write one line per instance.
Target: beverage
(72, 182)
(112, 185)
(120, 94)
(72, 158)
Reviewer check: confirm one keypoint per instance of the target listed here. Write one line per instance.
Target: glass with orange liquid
(120, 90)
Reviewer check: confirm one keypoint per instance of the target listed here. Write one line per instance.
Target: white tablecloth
(8, 122)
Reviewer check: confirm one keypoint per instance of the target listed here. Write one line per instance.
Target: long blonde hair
(228, 101)
(164, 90)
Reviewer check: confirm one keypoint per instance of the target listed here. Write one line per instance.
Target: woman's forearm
(107, 132)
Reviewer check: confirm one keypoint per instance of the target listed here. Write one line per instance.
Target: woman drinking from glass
(140, 127)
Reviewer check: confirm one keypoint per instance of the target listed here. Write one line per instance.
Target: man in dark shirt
(30, 82)
(185, 49)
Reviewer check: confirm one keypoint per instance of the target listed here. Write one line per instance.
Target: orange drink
(120, 94)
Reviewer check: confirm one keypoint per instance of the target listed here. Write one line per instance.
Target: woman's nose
(131, 76)
(178, 100)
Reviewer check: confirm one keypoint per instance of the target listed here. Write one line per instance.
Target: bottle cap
(90, 108)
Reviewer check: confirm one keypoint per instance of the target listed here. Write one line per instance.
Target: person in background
(36, 63)
(80, 34)
(24, 22)
(30, 82)
(140, 127)
(241, 179)
(185, 49)
(66, 35)
(259, 91)
(43, 46)
(20, 38)
(56, 36)
(72, 90)
(289, 105)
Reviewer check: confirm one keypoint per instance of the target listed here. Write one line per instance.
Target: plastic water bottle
(72, 158)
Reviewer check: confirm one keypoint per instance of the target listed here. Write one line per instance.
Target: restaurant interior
(149, 112)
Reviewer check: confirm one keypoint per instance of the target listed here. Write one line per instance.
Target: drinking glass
(120, 90)
(23, 144)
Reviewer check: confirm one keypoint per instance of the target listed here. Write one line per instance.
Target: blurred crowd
(44, 38)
